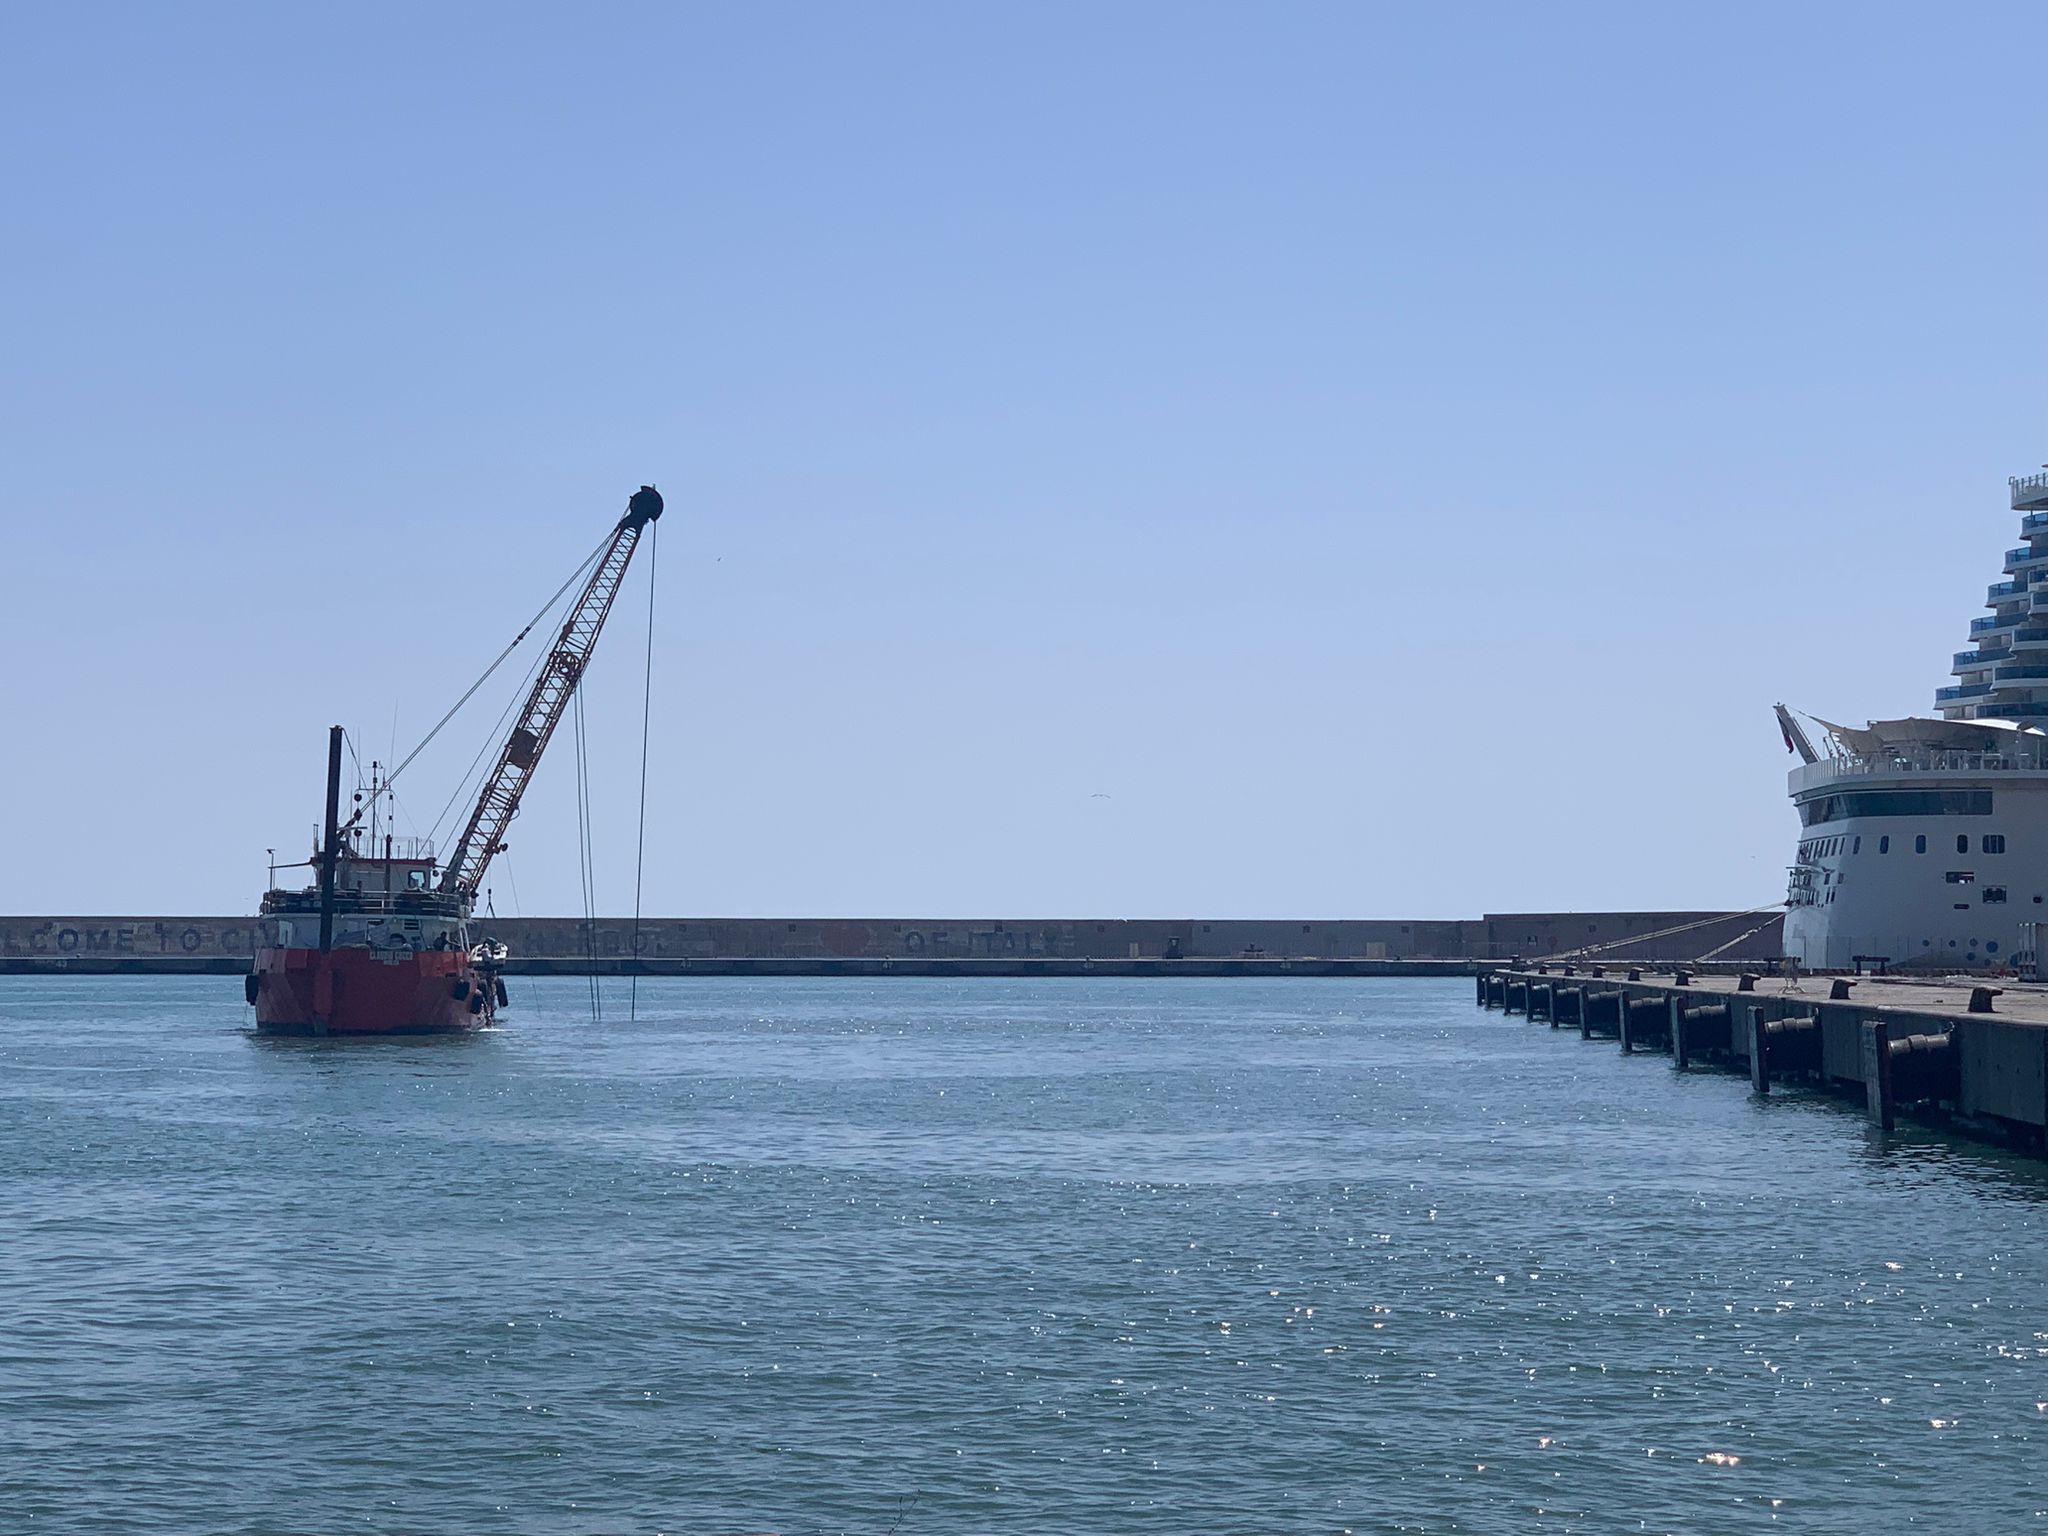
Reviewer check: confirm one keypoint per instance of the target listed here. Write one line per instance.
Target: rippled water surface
(1005, 1256)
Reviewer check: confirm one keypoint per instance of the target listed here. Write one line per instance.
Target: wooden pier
(1968, 1052)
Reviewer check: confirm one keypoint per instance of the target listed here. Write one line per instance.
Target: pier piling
(1643, 1021)
(1600, 1011)
(1781, 1045)
(1573, 1001)
(1899, 1044)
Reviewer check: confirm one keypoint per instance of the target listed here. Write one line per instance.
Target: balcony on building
(2029, 492)
(2025, 558)
(1966, 661)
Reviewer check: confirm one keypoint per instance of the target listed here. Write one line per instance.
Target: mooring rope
(1665, 933)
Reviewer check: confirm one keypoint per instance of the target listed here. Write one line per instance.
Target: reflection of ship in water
(381, 941)
(1924, 842)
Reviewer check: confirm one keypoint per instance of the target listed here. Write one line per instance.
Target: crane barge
(380, 942)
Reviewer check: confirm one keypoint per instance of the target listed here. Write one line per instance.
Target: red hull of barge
(357, 991)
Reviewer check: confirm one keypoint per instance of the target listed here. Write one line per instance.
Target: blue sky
(1122, 459)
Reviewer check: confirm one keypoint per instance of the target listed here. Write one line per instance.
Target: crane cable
(584, 858)
(492, 741)
(545, 609)
(646, 715)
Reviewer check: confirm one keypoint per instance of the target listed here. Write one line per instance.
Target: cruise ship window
(1961, 876)
(1994, 842)
(1884, 845)
(1993, 893)
(1856, 847)
(1920, 843)
(1962, 842)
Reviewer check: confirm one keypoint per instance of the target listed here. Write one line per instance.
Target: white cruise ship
(1924, 842)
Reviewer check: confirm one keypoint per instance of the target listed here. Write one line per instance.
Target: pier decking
(1968, 1051)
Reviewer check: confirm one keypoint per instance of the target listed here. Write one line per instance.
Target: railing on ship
(1830, 768)
(414, 903)
(411, 849)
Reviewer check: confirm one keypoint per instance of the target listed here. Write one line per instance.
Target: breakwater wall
(1051, 946)
(1961, 1051)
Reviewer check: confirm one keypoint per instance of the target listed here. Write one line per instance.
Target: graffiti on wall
(91, 936)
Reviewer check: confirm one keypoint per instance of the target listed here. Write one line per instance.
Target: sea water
(932, 1256)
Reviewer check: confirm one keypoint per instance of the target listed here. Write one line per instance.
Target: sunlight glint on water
(998, 1256)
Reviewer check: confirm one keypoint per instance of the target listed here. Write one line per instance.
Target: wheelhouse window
(1894, 802)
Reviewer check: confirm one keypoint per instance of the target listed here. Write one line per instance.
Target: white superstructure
(1925, 842)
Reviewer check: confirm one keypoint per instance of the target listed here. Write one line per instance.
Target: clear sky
(1122, 459)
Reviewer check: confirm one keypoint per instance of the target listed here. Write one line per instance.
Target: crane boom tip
(642, 507)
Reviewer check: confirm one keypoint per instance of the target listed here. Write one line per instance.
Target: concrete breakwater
(824, 946)
(1959, 1050)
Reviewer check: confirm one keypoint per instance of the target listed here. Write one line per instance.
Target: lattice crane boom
(548, 701)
